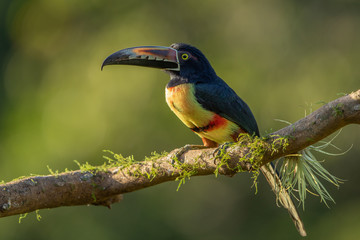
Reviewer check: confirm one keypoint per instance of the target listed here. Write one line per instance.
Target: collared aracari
(203, 102)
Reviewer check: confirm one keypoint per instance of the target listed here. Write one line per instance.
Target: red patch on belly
(217, 122)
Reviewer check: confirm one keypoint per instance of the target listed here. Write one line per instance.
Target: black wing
(219, 98)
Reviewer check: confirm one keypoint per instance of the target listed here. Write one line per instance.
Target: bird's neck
(176, 80)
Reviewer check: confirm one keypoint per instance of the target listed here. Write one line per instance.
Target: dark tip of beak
(104, 64)
(117, 58)
(151, 56)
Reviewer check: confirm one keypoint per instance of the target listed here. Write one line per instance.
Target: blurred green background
(282, 57)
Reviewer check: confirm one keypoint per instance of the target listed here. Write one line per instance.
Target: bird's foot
(184, 149)
(219, 151)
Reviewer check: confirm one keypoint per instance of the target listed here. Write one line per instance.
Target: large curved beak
(147, 56)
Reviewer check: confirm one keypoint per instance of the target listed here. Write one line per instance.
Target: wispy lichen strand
(302, 173)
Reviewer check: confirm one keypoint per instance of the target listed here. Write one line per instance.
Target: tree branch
(106, 186)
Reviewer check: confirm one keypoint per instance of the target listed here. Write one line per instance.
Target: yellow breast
(181, 100)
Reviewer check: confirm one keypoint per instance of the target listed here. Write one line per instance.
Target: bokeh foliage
(282, 57)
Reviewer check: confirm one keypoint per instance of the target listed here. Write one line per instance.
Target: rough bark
(105, 187)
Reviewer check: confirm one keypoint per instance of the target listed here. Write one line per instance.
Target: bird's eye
(185, 56)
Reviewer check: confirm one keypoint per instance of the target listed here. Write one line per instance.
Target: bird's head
(179, 60)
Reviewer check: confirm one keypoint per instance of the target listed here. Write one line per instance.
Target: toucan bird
(203, 101)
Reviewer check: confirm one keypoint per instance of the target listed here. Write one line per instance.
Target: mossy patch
(255, 147)
(134, 168)
(186, 170)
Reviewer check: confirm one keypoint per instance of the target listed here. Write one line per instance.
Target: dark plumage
(210, 90)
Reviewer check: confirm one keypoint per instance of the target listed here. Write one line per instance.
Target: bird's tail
(282, 196)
